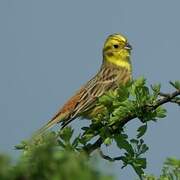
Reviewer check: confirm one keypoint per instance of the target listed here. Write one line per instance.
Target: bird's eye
(115, 46)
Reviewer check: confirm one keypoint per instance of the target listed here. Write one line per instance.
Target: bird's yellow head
(117, 50)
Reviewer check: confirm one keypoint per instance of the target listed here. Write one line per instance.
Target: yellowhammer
(114, 71)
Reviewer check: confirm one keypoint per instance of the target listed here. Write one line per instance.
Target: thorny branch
(171, 97)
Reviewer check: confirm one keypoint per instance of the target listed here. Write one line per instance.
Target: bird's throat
(120, 62)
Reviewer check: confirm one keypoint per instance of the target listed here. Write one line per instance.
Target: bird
(115, 70)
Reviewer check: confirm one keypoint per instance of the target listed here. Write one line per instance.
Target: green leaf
(87, 137)
(134, 141)
(139, 171)
(66, 134)
(161, 112)
(122, 143)
(173, 162)
(75, 142)
(123, 93)
(61, 143)
(107, 141)
(140, 162)
(140, 81)
(175, 84)
(120, 112)
(142, 95)
(142, 130)
(108, 98)
(156, 87)
(144, 148)
(20, 146)
(137, 83)
(156, 90)
(85, 128)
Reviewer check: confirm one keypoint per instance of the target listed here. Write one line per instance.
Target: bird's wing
(86, 97)
(102, 82)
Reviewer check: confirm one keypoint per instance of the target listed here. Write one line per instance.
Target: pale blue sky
(49, 48)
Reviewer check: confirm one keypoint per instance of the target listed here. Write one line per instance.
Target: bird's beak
(128, 46)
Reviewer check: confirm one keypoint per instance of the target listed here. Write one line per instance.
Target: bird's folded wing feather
(86, 97)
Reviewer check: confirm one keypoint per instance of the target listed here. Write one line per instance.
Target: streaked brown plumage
(115, 70)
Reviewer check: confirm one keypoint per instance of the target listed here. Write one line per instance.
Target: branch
(92, 147)
(108, 157)
(167, 98)
(175, 100)
(89, 148)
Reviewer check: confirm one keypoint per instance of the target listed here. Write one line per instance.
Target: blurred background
(48, 49)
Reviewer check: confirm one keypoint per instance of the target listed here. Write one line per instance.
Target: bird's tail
(56, 119)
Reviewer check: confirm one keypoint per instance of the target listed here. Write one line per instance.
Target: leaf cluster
(130, 101)
(53, 158)
(170, 171)
(112, 111)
